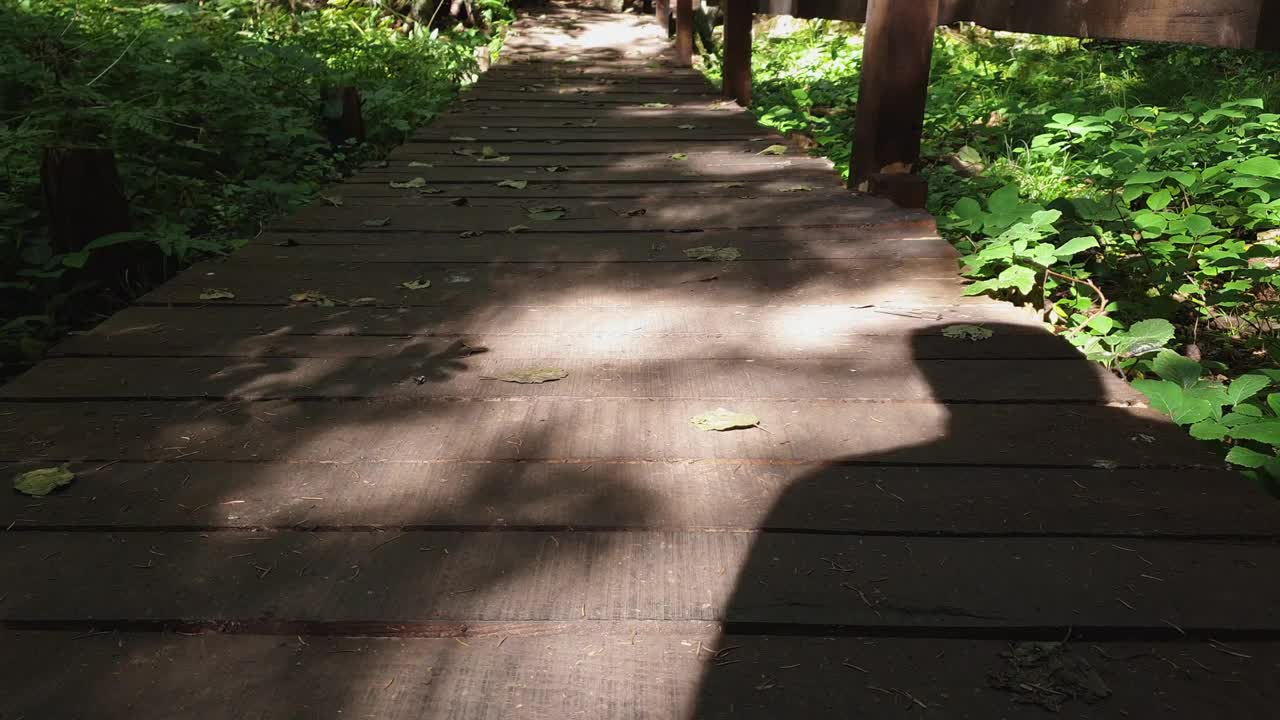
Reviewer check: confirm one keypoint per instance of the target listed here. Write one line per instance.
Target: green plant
(213, 112)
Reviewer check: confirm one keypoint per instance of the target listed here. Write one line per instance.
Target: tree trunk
(82, 195)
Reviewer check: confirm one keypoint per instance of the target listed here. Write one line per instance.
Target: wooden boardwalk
(329, 508)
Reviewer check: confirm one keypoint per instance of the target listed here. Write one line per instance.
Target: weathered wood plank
(435, 370)
(672, 495)
(594, 669)
(306, 330)
(545, 428)
(923, 282)
(562, 576)
(498, 215)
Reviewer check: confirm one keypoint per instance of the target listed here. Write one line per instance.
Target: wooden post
(342, 117)
(82, 196)
(684, 33)
(662, 12)
(737, 50)
(896, 53)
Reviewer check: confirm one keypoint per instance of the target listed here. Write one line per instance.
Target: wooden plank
(625, 172)
(654, 495)
(682, 97)
(924, 281)
(172, 339)
(696, 161)
(436, 370)
(724, 114)
(525, 576)
(586, 669)
(736, 76)
(380, 193)
(893, 89)
(283, 331)
(412, 247)
(574, 131)
(497, 215)
(540, 428)
(571, 150)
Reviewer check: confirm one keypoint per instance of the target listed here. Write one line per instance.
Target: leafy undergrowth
(214, 114)
(1129, 192)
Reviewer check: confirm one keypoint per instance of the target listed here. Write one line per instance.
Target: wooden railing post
(896, 53)
(684, 32)
(662, 12)
(737, 50)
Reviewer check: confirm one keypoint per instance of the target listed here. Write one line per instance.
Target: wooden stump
(342, 118)
(82, 195)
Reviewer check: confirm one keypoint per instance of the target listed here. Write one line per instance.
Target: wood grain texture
(589, 669)
(263, 484)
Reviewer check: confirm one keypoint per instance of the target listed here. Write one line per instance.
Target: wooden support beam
(342, 116)
(897, 51)
(83, 197)
(684, 32)
(737, 50)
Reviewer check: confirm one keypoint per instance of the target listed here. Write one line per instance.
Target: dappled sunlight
(341, 473)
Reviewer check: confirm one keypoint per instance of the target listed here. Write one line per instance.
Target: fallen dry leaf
(720, 420)
(407, 184)
(217, 294)
(533, 375)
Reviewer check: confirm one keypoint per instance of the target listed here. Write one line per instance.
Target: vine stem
(1102, 298)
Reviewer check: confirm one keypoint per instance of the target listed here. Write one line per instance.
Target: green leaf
(973, 333)
(1170, 399)
(217, 294)
(1023, 278)
(1262, 166)
(679, 156)
(1144, 337)
(416, 284)
(720, 420)
(1266, 431)
(706, 252)
(1245, 387)
(1159, 200)
(1171, 366)
(1209, 430)
(1005, 200)
(1074, 246)
(517, 184)
(533, 375)
(1240, 455)
(774, 150)
(1273, 401)
(43, 481)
